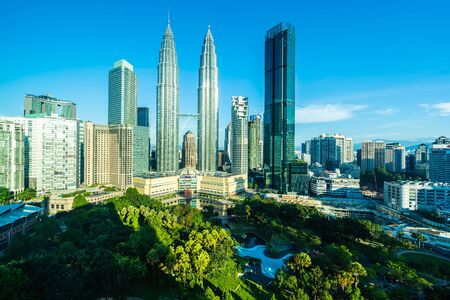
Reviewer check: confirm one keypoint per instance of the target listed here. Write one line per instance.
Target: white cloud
(441, 108)
(386, 112)
(326, 113)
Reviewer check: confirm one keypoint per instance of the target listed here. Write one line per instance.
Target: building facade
(227, 140)
(330, 150)
(239, 121)
(46, 105)
(422, 154)
(413, 195)
(51, 152)
(16, 220)
(439, 161)
(222, 184)
(155, 186)
(167, 106)
(143, 117)
(279, 105)
(12, 156)
(208, 106)
(189, 152)
(372, 155)
(122, 94)
(108, 155)
(255, 143)
(335, 187)
(395, 158)
(141, 139)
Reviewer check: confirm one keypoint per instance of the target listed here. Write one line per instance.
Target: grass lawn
(434, 266)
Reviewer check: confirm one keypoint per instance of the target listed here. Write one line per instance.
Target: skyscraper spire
(208, 99)
(168, 16)
(167, 105)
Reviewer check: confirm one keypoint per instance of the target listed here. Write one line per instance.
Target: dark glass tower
(279, 110)
(143, 116)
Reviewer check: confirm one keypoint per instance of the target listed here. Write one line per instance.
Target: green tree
(5, 195)
(299, 262)
(27, 194)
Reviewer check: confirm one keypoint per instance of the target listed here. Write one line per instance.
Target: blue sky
(366, 69)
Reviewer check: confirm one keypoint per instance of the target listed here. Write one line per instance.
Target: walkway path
(422, 252)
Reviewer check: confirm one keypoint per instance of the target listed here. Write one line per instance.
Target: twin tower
(168, 106)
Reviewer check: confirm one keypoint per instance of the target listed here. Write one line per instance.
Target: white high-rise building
(239, 123)
(52, 157)
(167, 106)
(208, 109)
(11, 156)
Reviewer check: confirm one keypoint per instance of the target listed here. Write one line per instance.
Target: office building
(156, 185)
(299, 177)
(141, 139)
(255, 143)
(413, 195)
(51, 152)
(167, 107)
(372, 155)
(208, 109)
(108, 153)
(239, 121)
(395, 158)
(12, 156)
(46, 105)
(422, 154)
(227, 140)
(143, 117)
(189, 151)
(279, 105)
(143, 120)
(221, 184)
(122, 94)
(439, 160)
(335, 187)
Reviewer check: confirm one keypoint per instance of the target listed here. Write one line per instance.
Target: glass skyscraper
(122, 94)
(279, 109)
(167, 106)
(208, 109)
(143, 116)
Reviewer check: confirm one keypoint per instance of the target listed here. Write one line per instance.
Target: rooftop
(48, 98)
(12, 212)
(421, 183)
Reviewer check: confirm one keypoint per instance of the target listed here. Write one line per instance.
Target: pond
(269, 266)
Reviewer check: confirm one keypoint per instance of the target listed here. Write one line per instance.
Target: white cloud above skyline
(440, 108)
(324, 113)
